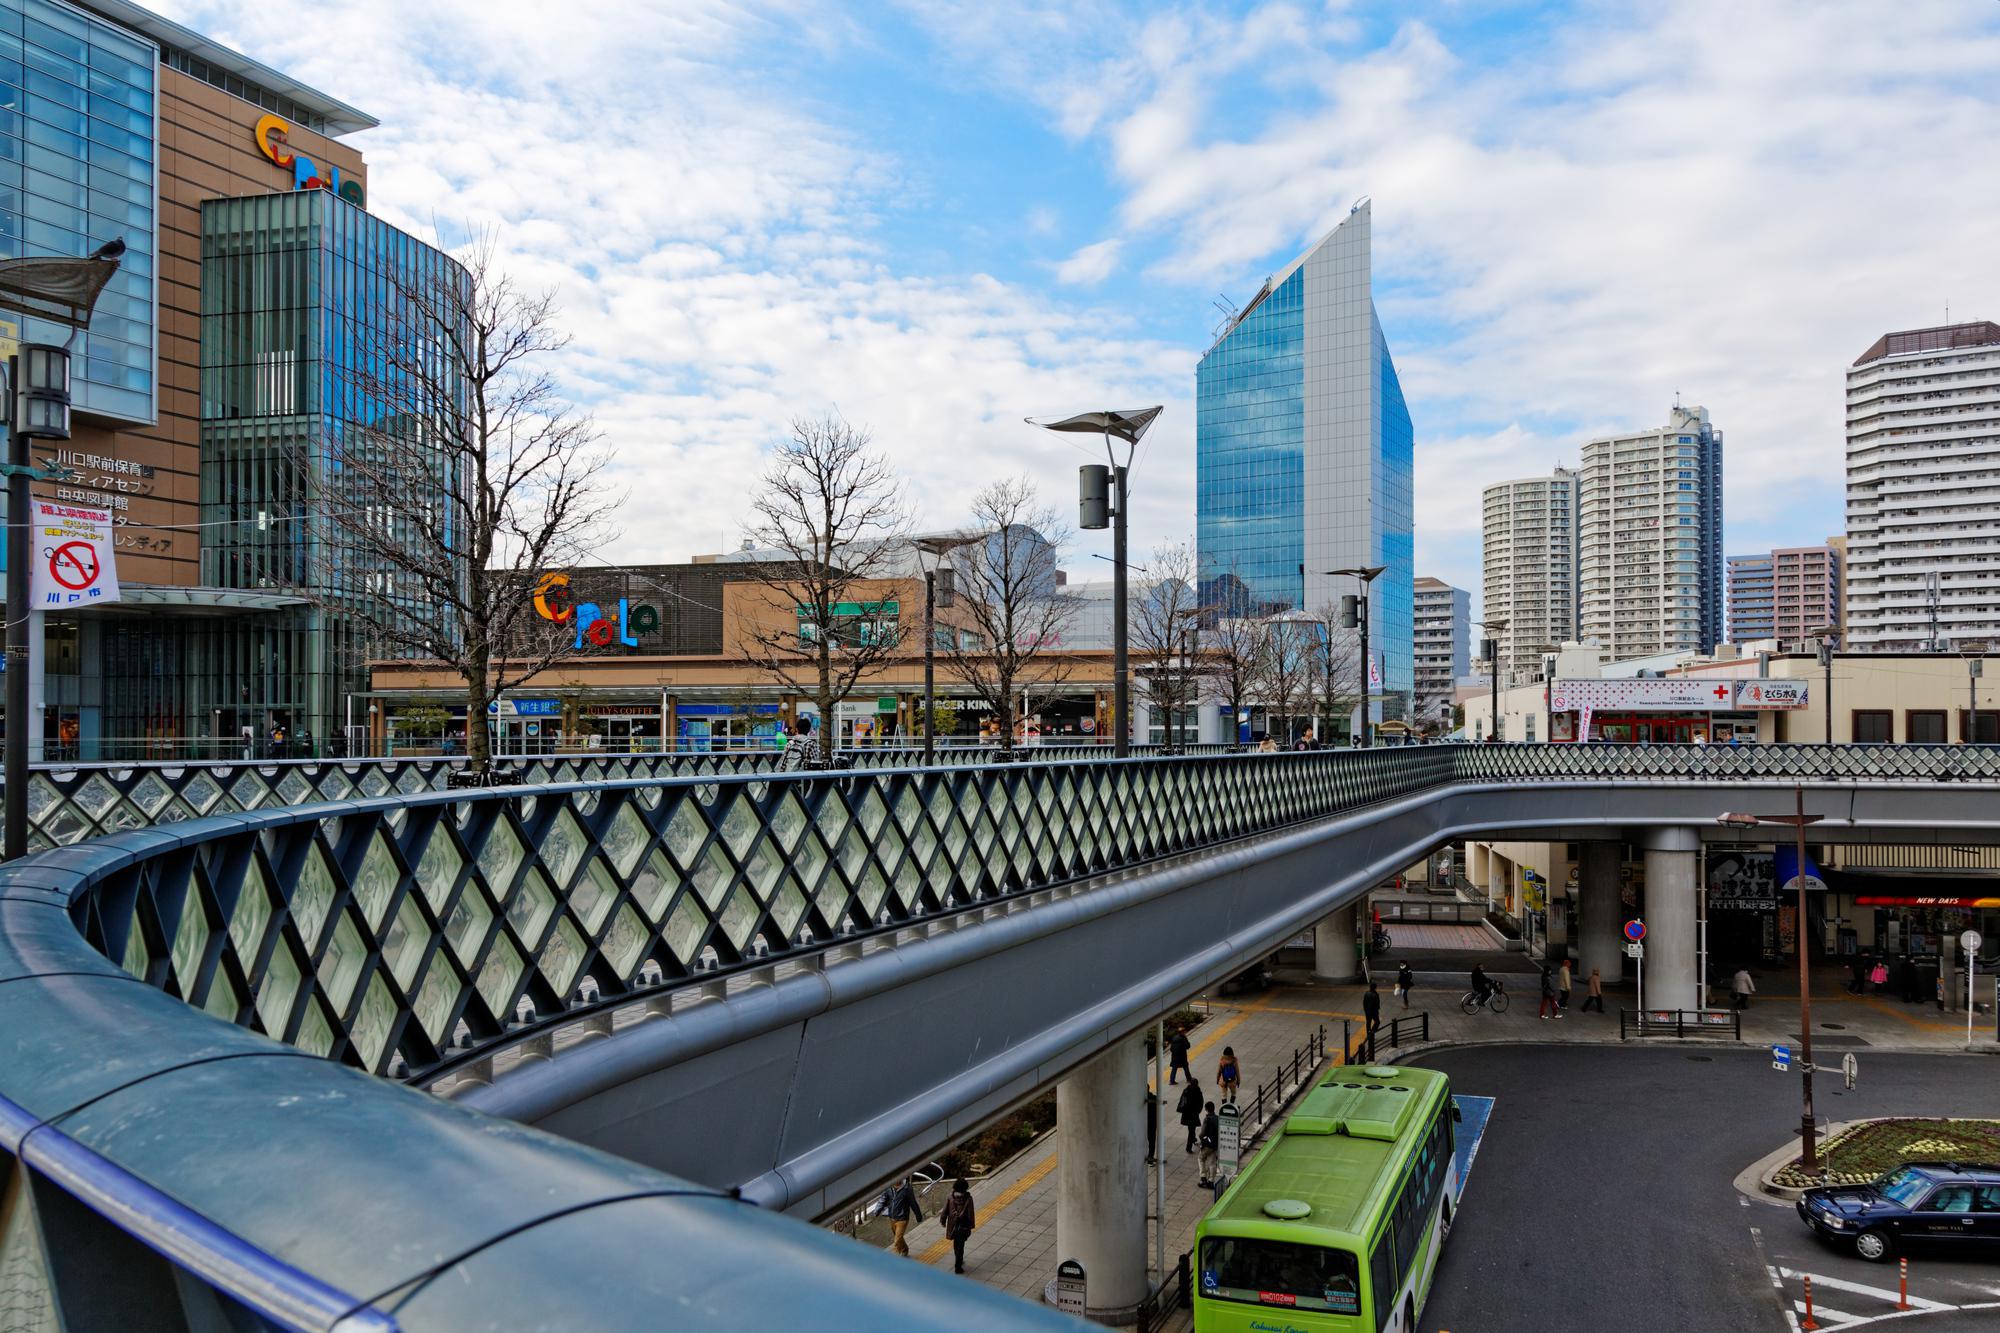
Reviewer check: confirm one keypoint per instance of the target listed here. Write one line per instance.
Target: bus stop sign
(1071, 1287)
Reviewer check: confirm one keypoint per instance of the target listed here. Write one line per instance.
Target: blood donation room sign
(70, 558)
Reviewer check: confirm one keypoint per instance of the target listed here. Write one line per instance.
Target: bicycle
(1496, 999)
(1379, 941)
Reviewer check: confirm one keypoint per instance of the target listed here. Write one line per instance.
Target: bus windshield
(1276, 1272)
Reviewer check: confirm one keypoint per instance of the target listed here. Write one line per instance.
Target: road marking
(1859, 1289)
(1823, 1313)
(1030, 1178)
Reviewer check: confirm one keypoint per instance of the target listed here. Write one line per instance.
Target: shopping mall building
(210, 374)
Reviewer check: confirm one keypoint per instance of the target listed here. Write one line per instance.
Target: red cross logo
(1722, 691)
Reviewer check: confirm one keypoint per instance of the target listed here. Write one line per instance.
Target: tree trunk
(478, 734)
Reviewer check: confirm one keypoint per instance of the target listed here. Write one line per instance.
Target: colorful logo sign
(271, 135)
(594, 626)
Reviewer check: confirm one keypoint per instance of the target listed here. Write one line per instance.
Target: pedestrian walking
(957, 1218)
(1741, 988)
(1189, 1109)
(1548, 1004)
(1211, 1141)
(900, 1206)
(1371, 1008)
(1177, 1054)
(1858, 979)
(1227, 1074)
(1406, 981)
(1562, 987)
(1593, 991)
(1152, 1126)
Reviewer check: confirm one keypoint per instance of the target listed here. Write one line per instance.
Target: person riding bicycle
(1482, 985)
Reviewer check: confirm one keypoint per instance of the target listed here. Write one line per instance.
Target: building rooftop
(1939, 338)
(339, 117)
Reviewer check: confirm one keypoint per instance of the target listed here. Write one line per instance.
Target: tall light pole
(1797, 821)
(1828, 636)
(1490, 646)
(939, 591)
(1101, 503)
(1349, 606)
(37, 407)
(1975, 667)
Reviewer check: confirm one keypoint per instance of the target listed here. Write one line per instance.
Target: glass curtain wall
(319, 355)
(77, 169)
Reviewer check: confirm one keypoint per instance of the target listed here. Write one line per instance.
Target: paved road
(1602, 1197)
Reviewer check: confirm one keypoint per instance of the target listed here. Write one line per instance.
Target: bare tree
(1229, 664)
(460, 478)
(831, 514)
(1290, 668)
(1008, 595)
(1167, 618)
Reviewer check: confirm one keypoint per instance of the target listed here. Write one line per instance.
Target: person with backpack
(1177, 1055)
(803, 753)
(957, 1220)
(900, 1206)
(1227, 1074)
(1406, 981)
(1189, 1109)
(1211, 1143)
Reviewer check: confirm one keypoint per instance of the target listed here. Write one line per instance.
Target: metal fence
(1448, 913)
(1680, 1023)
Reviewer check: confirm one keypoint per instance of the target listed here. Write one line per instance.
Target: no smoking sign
(75, 564)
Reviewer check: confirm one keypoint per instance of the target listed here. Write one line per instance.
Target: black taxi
(1951, 1204)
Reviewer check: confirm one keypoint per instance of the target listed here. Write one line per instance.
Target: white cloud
(1726, 201)
(1090, 265)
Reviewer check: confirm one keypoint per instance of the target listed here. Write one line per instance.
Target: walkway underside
(807, 1090)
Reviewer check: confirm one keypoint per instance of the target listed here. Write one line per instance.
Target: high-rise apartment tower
(1529, 579)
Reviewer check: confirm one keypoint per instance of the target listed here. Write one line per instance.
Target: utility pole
(1975, 667)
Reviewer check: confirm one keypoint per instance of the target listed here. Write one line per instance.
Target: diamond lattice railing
(374, 931)
(381, 932)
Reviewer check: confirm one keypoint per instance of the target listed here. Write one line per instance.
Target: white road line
(1824, 1313)
(1856, 1288)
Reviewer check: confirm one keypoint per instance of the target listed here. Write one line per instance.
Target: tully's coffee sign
(596, 626)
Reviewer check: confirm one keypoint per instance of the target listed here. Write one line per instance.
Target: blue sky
(941, 216)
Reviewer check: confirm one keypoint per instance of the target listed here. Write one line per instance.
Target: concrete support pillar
(1334, 955)
(1600, 914)
(1672, 882)
(1101, 1176)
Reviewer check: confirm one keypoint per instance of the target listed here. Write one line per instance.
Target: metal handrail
(1678, 1022)
(270, 1287)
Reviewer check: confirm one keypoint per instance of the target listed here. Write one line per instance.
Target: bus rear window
(1280, 1273)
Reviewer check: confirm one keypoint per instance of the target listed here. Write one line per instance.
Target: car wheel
(1873, 1246)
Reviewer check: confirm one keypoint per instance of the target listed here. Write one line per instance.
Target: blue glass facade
(1250, 457)
(78, 104)
(1305, 456)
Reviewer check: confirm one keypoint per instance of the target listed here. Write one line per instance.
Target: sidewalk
(1014, 1245)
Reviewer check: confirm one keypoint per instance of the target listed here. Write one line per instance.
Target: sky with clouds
(938, 217)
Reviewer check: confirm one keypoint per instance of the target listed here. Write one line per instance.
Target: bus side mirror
(1457, 1116)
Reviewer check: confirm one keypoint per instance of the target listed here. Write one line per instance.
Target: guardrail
(1405, 1030)
(1270, 1098)
(1680, 1023)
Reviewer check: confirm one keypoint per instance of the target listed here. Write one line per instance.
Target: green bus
(1336, 1224)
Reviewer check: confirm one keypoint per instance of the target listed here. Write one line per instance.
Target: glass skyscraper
(1304, 454)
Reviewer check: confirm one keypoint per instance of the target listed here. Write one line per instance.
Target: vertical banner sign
(1072, 1288)
(70, 558)
(1583, 724)
(1229, 1137)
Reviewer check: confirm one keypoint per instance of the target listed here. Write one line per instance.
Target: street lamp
(1809, 1154)
(1349, 607)
(1490, 646)
(36, 407)
(1828, 636)
(1101, 503)
(940, 590)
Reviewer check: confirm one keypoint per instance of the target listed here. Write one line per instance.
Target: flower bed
(1866, 1150)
